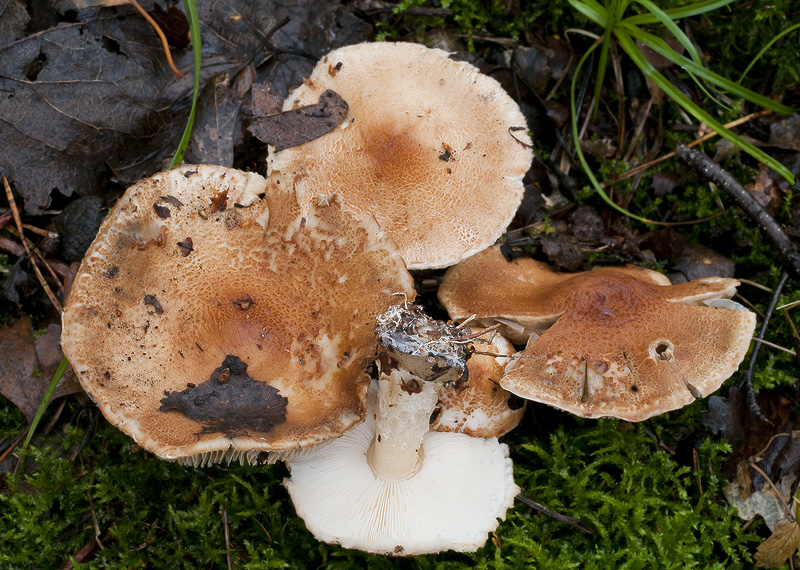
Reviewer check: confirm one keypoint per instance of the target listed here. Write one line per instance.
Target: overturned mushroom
(610, 342)
(432, 148)
(213, 318)
(390, 485)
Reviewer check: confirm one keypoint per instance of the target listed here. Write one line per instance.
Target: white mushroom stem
(402, 416)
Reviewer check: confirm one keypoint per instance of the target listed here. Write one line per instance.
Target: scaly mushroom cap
(499, 291)
(207, 320)
(432, 148)
(479, 406)
(465, 484)
(620, 345)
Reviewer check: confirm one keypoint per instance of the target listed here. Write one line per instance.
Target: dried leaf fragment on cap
(301, 125)
(254, 339)
(432, 148)
(614, 342)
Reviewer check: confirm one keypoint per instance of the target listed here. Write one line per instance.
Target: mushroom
(390, 485)
(617, 342)
(432, 148)
(214, 318)
(478, 406)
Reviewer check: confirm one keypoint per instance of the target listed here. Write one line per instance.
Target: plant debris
(28, 365)
(298, 126)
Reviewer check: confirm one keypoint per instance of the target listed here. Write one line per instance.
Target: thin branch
(572, 521)
(747, 380)
(704, 138)
(18, 222)
(711, 171)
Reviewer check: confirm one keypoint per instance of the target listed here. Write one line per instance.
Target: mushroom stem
(405, 405)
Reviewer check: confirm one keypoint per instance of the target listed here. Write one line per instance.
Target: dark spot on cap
(244, 303)
(152, 301)
(411, 387)
(162, 211)
(171, 200)
(238, 406)
(186, 246)
(189, 173)
(219, 202)
(111, 272)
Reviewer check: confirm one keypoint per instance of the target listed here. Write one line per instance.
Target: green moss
(645, 505)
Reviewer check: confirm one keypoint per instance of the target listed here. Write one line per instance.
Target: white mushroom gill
(452, 501)
(390, 485)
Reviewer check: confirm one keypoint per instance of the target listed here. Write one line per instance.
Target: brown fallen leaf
(265, 100)
(298, 126)
(778, 548)
(21, 356)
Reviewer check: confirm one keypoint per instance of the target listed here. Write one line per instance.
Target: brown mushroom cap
(204, 319)
(499, 291)
(428, 147)
(620, 345)
(479, 406)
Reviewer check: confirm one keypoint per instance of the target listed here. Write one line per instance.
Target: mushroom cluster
(621, 342)
(220, 315)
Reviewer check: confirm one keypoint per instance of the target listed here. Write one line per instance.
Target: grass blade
(592, 10)
(764, 50)
(679, 13)
(674, 93)
(584, 163)
(62, 368)
(672, 27)
(663, 48)
(194, 28)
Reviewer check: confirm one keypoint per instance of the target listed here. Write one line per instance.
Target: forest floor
(89, 106)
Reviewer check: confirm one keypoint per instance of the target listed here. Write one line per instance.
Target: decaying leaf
(776, 550)
(298, 126)
(90, 101)
(217, 128)
(265, 100)
(785, 133)
(27, 366)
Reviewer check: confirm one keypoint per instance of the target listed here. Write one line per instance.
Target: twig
(14, 445)
(773, 438)
(97, 532)
(572, 521)
(747, 380)
(786, 508)
(704, 138)
(32, 248)
(713, 172)
(161, 35)
(41, 232)
(18, 221)
(227, 538)
(775, 346)
(755, 284)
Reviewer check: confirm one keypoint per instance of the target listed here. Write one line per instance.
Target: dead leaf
(13, 21)
(265, 100)
(765, 190)
(217, 128)
(778, 548)
(77, 96)
(786, 133)
(298, 126)
(21, 356)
